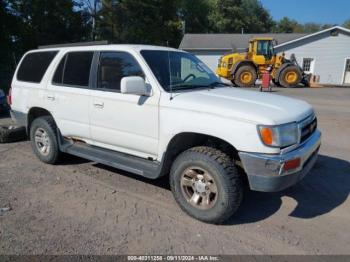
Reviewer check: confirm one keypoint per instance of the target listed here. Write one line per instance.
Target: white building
(325, 53)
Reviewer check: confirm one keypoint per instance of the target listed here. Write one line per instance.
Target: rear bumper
(265, 172)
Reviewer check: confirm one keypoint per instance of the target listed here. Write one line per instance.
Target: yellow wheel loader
(243, 69)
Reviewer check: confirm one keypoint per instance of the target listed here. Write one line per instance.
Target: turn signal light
(266, 135)
(291, 164)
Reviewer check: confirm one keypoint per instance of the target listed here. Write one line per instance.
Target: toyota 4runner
(156, 111)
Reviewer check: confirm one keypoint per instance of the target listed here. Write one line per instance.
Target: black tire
(246, 69)
(47, 125)
(226, 177)
(10, 134)
(282, 78)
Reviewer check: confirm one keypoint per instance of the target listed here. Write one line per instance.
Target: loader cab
(262, 50)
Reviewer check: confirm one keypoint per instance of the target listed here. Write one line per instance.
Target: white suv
(158, 111)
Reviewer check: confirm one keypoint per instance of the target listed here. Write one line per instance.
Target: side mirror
(134, 85)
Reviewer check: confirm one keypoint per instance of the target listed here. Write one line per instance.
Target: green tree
(109, 21)
(286, 25)
(141, 21)
(25, 24)
(311, 27)
(8, 37)
(91, 10)
(233, 16)
(49, 22)
(194, 14)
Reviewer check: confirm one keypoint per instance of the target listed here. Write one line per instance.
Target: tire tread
(233, 184)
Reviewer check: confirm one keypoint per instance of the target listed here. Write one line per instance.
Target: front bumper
(265, 172)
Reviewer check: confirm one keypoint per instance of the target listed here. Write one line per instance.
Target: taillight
(9, 97)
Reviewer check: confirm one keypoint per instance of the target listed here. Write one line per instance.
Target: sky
(304, 11)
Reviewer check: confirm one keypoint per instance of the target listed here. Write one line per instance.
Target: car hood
(258, 107)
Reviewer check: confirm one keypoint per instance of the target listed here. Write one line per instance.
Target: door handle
(51, 98)
(99, 104)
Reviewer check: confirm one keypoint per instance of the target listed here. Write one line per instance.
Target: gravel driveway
(80, 207)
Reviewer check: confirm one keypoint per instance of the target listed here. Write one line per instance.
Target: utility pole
(183, 27)
(92, 6)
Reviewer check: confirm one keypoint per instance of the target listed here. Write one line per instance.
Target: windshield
(187, 71)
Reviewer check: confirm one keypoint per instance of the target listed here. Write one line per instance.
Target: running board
(132, 164)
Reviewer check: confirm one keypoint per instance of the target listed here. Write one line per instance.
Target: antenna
(169, 68)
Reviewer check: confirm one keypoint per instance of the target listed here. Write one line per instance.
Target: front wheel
(206, 184)
(290, 76)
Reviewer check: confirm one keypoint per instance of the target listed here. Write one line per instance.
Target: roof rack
(104, 42)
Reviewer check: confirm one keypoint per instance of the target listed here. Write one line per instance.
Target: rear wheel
(290, 77)
(206, 184)
(43, 136)
(245, 76)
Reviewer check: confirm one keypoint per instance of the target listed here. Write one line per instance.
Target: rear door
(122, 122)
(69, 94)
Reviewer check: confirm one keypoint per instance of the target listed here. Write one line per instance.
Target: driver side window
(113, 67)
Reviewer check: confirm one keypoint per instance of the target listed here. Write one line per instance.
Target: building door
(347, 72)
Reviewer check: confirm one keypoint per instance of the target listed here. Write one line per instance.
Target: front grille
(308, 129)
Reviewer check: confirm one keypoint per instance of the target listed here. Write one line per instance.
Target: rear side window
(34, 66)
(74, 69)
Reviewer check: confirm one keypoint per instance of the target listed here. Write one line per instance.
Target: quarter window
(34, 66)
(113, 67)
(74, 69)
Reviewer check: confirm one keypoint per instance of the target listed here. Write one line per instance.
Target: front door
(347, 72)
(122, 122)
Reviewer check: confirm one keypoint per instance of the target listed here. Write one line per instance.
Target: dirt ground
(80, 207)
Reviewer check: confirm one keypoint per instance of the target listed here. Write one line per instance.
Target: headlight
(279, 136)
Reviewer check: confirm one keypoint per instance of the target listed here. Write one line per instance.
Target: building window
(307, 64)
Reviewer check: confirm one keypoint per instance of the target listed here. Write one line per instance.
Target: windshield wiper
(186, 87)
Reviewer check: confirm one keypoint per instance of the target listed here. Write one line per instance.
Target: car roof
(124, 47)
